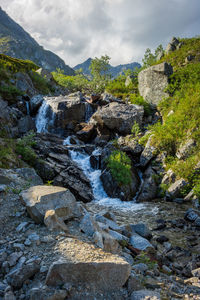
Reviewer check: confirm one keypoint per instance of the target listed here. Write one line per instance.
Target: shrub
(139, 100)
(24, 148)
(40, 83)
(10, 93)
(135, 130)
(120, 166)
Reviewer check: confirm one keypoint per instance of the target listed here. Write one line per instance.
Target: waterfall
(27, 108)
(88, 111)
(42, 119)
(100, 196)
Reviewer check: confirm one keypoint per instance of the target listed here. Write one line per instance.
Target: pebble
(22, 226)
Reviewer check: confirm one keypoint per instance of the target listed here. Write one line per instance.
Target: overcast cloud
(123, 29)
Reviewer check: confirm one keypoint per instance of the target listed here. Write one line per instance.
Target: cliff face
(16, 42)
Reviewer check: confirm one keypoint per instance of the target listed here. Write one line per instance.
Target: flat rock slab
(39, 199)
(83, 264)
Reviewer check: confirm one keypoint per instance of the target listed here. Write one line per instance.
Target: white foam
(41, 119)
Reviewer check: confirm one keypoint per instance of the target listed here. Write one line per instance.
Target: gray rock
(139, 242)
(26, 124)
(196, 272)
(173, 45)
(148, 189)
(40, 199)
(48, 293)
(88, 225)
(176, 188)
(22, 226)
(17, 277)
(104, 275)
(19, 177)
(153, 81)
(9, 295)
(191, 215)
(145, 295)
(141, 268)
(13, 258)
(118, 236)
(185, 149)
(134, 283)
(110, 223)
(169, 177)
(18, 246)
(3, 188)
(148, 153)
(128, 144)
(35, 103)
(118, 117)
(142, 230)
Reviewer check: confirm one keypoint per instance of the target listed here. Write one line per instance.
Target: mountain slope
(114, 71)
(16, 42)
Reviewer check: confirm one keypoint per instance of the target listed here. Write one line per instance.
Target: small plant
(49, 182)
(139, 100)
(120, 166)
(145, 259)
(135, 130)
(24, 148)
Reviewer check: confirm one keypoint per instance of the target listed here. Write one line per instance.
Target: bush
(120, 166)
(40, 83)
(10, 93)
(139, 100)
(24, 149)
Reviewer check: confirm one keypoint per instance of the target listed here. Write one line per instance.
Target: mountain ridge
(113, 70)
(16, 42)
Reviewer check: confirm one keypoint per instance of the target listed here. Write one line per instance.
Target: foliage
(73, 83)
(24, 148)
(135, 130)
(10, 93)
(120, 166)
(99, 70)
(16, 65)
(150, 58)
(145, 259)
(196, 189)
(40, 83)
(8, 157)
(139, 100)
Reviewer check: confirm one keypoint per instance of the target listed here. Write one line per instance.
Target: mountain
(114, 71)
(16, 42)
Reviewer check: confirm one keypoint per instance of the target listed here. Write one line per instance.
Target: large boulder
(89, 267)
(118, 117)
(148, 189)
(173, 45)
(66, 109)
(39, 199)
(153, 81)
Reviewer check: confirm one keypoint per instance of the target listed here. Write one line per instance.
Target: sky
(123, 29)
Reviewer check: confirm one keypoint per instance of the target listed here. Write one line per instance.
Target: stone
(39, 199)
(148, 189)
(88, 225)
(48, 293)
(153, 81)
(110, 244)
(142, 230)
(191, 215)
(129, 145)
(185, 149)
(19, 177)
(145, 295)
(26, 124)
(175, 189)
(173, 45)
(9, 295)
(139, 242)
(3, 188)
(162, 239)
(141, 268)
(35, 103)
(106, 275)
(134, 283)
(17, 277)
(196, 272)
(169, 177)
(53, 222)
(148, 153)
(22, 226)
(18, 246)
(13, 258)
(128, 81)
(117, 117)
(87, 133)
(109, 222)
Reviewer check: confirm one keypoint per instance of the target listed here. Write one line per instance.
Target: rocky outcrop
(153, 81)
(173, 45)
(175, 190)
(40, 199)
(148, 153)
(118, 117)
(148, 189)
(185, 149)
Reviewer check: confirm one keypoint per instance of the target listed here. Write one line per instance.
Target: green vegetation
(8, 157)
(150, 58)
(139, 100)
(181, 113)
(16, 65)
(10, 93)
(24, 149)
(120, 166)
(135, 130)
(40, 83)
(73, 83)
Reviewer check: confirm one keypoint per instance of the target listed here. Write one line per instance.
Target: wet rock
(153, 81)
(148, 190)
(39, 199)
(104, 275)
(18, 276)
(142, 230)
(139, 242)
(145, 294)
(176, 188)
(118, 117)
(87, 134)
(162, 239)
(191, 215)
(115, 190)
(148, 153)
(26, 124)
(35, 103)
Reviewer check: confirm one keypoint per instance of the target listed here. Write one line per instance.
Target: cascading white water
(41, 119)
(83, 161)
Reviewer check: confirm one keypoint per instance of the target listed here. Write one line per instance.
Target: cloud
(123, 29)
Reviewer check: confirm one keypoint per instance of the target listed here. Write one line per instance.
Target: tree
(148, 59)
(99, 69)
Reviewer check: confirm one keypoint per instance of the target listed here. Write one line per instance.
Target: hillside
(16, 42)
(114, 71)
